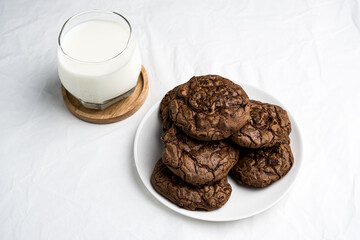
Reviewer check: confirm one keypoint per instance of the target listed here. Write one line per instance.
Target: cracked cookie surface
(200, 198)
(209, 108)
(261, 167)
(166, 122)
(197, 162)
(269, 124)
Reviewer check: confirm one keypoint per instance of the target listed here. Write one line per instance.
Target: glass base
(108, 103)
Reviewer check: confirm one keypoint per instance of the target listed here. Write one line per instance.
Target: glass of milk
(99, 61)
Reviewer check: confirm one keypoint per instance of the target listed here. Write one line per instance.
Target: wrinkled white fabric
(61, 178)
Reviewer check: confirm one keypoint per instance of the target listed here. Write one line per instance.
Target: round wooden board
(114, 113)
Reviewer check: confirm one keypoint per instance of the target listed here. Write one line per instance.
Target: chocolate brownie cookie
(261, 167)
(210, 108)
(197, 162)
(206, 198)
(164, 109)
(269, 124)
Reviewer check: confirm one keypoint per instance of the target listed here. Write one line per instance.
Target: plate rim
(176, 209)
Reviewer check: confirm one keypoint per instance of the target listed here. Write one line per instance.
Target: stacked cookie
(210, 127)
(265, 154)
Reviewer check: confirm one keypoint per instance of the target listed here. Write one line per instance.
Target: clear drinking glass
(99, 61)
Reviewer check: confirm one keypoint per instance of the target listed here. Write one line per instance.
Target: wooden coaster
(116, 112)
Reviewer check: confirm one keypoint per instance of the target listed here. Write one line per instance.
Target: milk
(90, 68)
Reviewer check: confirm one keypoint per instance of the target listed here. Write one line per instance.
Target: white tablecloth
(61, 178)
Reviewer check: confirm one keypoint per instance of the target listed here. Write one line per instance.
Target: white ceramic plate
(244, 202)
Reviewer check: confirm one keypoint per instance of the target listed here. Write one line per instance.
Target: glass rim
(93, 11)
